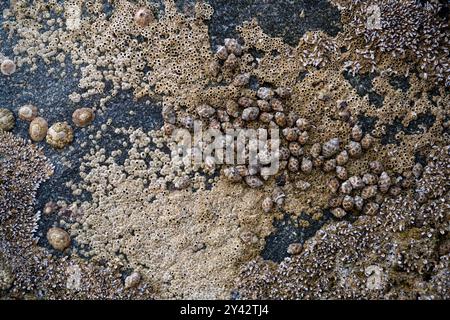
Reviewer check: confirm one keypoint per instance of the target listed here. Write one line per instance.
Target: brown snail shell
(330, 148)
(306, 165)
(253, 182)
(371, 208)
(339, 213)
(357, 133)
(83, 117)
(341, 173)
(376, 167)
(38, 129)
(58, 238)
(293, 164)
(342, 158)
(27, 112)
(369, 192)
(348, 203)
(384, 182)
(354, 149)
(267, 204)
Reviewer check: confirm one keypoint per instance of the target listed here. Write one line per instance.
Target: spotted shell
(346, 187)
(27, 112)
(329, 165)
(267, 204)
(371, 208)
(233, 46)
(348, 203)
(296, 149)
(293, 164)
(83, 117)
(253, 182)
(264, 105)
(359, 203)
(284, 92)
(369, 192)
(250, 113)
(333, 185)
(370, 179)
(302, 124)
(356, 133)
(265, 93)
(384, 182)
(265, 117)
(222, 53)
(58, 238)
(354, 149)
(38, 129)
(7, 120)
(280, 119)
(232, 173)
(376, 167)
(315, 150)
(357, 182)
(367, 142)
(246, 102)
(284, 153)
(342, 158)
(241, 80)
(277, 105)
(306, 165)
(304, 137)
(206, 111)
(291, 134)
(339, 213)
(341, 173)
(59, 135)
(330, 148)
(143, 17)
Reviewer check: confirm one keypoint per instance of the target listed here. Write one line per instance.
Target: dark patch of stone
(400, 83)
(287, 232)
(415, 127)
(363, 85)
(279, 18)
(367, 123)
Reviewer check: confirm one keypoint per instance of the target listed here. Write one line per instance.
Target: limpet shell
(59, 135)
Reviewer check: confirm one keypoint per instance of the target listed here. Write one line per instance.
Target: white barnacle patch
(73, 16)
(73, 277)
(374, 277)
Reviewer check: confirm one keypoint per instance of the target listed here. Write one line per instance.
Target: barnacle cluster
(25, 267)
(415, 32)
(361, 260)
(376, 169)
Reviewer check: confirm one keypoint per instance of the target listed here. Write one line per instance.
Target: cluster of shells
(266, 107)
(59, 135)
